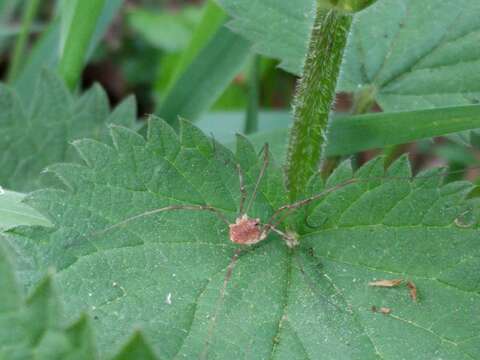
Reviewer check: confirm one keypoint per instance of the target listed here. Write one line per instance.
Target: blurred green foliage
(142, 46)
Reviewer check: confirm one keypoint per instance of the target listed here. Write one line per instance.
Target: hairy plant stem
(315, 97)
(21, 42)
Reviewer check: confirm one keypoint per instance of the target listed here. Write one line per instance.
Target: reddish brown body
(246, 231)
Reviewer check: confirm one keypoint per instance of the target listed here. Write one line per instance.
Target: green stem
(21, 42)
(315, 97)
(80, 32)
(251, 123)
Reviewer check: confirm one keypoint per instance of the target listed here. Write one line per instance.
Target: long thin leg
(290, 239)
(167, 208)
(273, 221)
(243, 190)
(241, 179)
(266, 160)
(213, 321)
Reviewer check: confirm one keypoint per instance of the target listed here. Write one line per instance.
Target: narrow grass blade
(80, 32)
(206, 77)
(348, 135)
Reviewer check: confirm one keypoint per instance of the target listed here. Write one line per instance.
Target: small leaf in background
(286, 36)
(350, 134)
(228, 94)
(165, 273)
(206, 78)
(46, 50)
(223, 125)
(416, 54)
(15, 213)
(7, 8)
(32, 327)
(168, 31)
(80, 33)
(36, 133)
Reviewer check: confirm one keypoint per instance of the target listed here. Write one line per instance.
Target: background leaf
(350, 134)
(14, 213)
(7, 7)
(32, 327)
(166, 272)
(286, 36)
(416, 55)
(52, 118)
(213, 17)
(46, 50)
(205, 79)
(169, 31)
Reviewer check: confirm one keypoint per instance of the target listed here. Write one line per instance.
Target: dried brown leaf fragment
(386, 283)
(382, 310)
(413, 290)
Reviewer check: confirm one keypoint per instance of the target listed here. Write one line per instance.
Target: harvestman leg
(266, 161)
(237, 253)
(164, 209)
(273, 222)
(243, 189)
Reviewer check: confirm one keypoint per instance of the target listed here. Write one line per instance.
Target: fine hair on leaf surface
(171, 273)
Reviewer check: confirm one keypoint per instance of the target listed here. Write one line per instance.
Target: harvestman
(246, 230)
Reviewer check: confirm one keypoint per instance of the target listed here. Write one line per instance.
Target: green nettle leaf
(32, 327)
(168, 273)
(286, 36)
(406, 54)
(36, 133)
(416, 54)
(14, 213)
